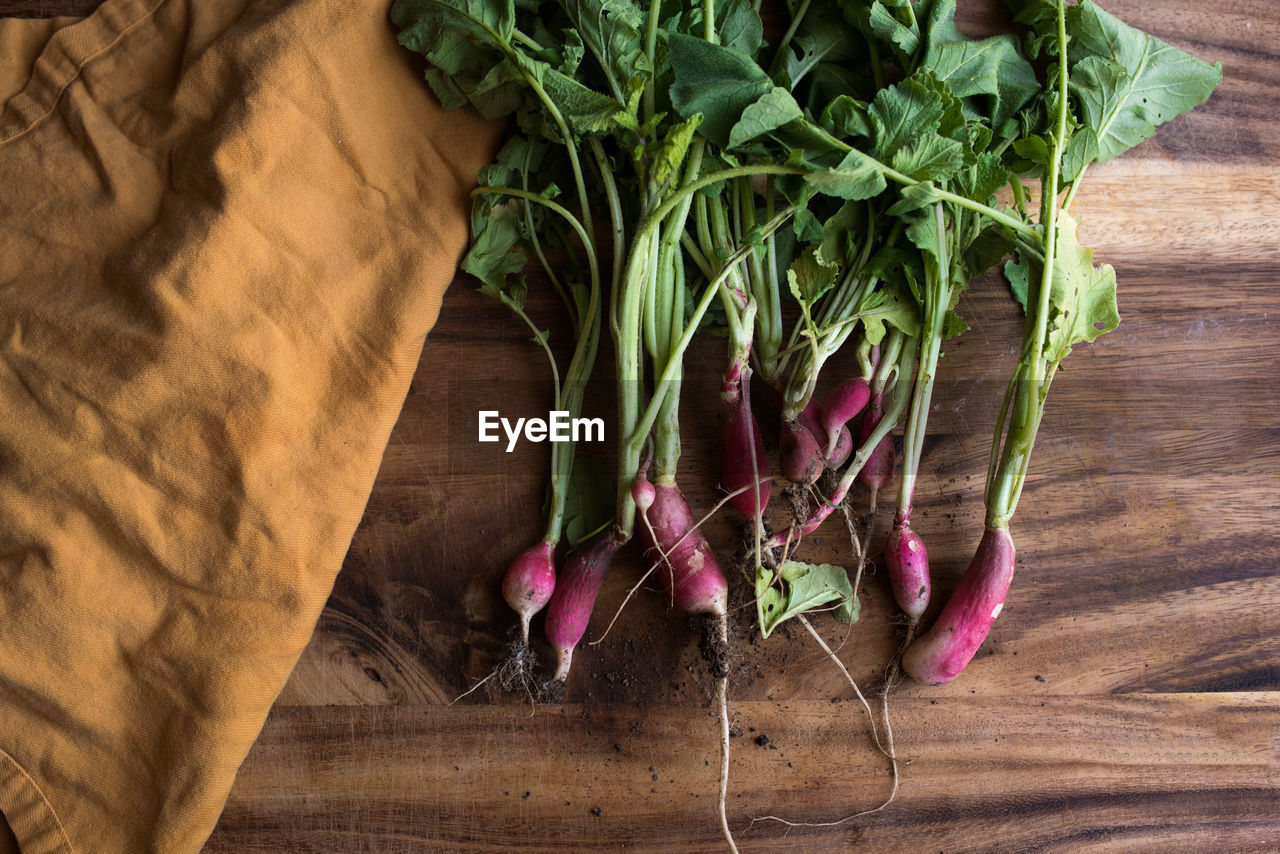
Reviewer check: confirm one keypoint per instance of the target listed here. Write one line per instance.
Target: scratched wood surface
(1127, 700)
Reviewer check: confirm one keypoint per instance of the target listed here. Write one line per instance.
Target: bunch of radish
(832, 190)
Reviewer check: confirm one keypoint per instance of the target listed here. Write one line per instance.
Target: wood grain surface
(1127, 700)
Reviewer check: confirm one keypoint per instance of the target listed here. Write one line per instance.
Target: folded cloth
(225, 229)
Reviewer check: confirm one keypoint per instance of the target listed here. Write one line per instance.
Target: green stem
(526, 40)
(616, 220)
(568, 398)
(780, 53)
(638, 434)
(1019, 194)
(558, 208)
(666, 440)
(651, 52)
(939, 297)
(1034, 373)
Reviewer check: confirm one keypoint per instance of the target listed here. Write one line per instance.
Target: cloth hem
(28, 811)
(67, 53)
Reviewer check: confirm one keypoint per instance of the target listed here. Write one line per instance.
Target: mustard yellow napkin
(225, 228)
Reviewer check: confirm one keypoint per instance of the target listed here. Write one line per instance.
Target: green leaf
(953, 325)
(886, 26)
(1128, 82)
(739, 26)
(856, 177)
(990, 76)
(492, 257)
(981, 180)
(840, 231)
(806, 226)
(1083, 296)
(913, 198)
(666, 161)
(774, 109)
(823, 37)
(805, 586)
(888, 306)
(809, 278)
(930, 157)
(585, 110)
(1018, 273)
(986, 250)
(922, 231)
(611, 30)
(466, 42)
(846, 117)
(1081, 150)
(830, 80)
(902, 112)
(718, 82)
(491, 21)
(1033, 148)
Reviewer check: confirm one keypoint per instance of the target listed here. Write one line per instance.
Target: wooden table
(1127, 700)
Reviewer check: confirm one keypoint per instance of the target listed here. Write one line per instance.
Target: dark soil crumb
(619, 748)
(596, 811)
(714, 650)
(735, 731)
(762, 740)
(1039, 678)
(553, 691)
(797, 498)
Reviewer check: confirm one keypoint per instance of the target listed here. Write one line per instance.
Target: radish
(878, 471)
(905, 554)
(904, 359)
(569, 611)
(908, 563)
(799, 453)
(939, 655)
(530, 582)
(688, 567)
(842, 404)
(806, 447)
(840, 447)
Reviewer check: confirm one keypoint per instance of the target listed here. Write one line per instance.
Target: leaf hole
(1098, 324)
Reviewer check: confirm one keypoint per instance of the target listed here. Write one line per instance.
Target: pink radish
(878, 472)
(842, 404)
(742, 455)
(529, 583)
(575, 596)
(690, 571)
(799, 453)
(949, 646)
(908, 563)
(841, 448)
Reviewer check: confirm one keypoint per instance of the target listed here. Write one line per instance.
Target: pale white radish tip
(564, 656)
(995, 612)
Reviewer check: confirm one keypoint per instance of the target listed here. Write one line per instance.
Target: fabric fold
(225, 230)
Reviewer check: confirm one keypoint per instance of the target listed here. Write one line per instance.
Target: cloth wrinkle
(225, 230)
(61, 90)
